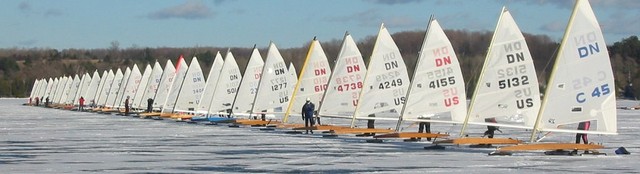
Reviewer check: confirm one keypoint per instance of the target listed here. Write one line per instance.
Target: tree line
(20, 67)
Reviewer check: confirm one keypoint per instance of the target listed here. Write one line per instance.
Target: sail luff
(295, 89)
(417, 64)
(480, 77)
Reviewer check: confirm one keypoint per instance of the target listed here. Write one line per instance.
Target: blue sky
(62, 24)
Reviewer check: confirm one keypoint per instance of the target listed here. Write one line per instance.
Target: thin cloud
(53, 13)
(621, 23)
(617, 4)
(365, 18)
(24, 6)
(218, 2)
(555, 26)
(193, 9)
(392, 2)
(30, 42)
(373, 18)
(401, 21)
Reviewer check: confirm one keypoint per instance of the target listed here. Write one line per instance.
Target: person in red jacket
(81, 101)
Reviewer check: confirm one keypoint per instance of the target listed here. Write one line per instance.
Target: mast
(481, 77)
(259, 81)
(241, 79)
(551, 77)
(355, 113)
(215, 88)
(180, 89)
(324, 94)
(295, 89)
(414, 76)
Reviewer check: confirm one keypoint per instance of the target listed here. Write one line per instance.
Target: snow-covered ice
(40, 140)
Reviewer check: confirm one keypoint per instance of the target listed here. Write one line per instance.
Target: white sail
(115, 87)
(42, 85)
(437, 92)
(294, 75)
(168, 76)
(54, 88)
(152, 84)
(39, 87)
(249, 86)
(507, 88)
(47, 89)
(73, 89)
(60, 90)
(227, 86)
(43, 89)
(84, 85)
(34, 87)
(138, 101)
(65, 90)
(314, 77)
(131, 86)
(192, 87)
(293, 78)
(386, 81)
(210, 87)
(273, 90)
(92, 89)
(106, 90)
(345, 84)
(101, 86)
(47, 92)
(581, 86)
(119, 101)
(174, 90)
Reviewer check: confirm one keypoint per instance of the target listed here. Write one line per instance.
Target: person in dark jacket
(307, 114)
(149, 105)
(425, 127)
(491, 129)
(126, 106)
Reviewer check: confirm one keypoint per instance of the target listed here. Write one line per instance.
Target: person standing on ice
(149, 105)
(307, 114)
(126, 106)
(424, 127)
(491, 129)
(81, 103)
(583, 126)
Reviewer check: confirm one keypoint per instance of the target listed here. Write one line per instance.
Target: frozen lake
(40, 140)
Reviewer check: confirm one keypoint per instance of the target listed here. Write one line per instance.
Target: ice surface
(39, 140)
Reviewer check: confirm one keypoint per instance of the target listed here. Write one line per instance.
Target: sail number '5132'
(598, 91)
(513, 82)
